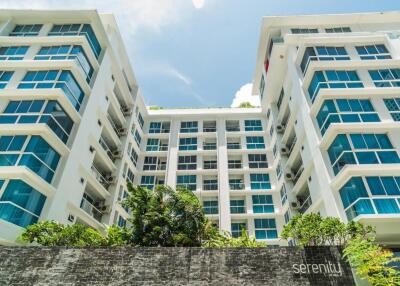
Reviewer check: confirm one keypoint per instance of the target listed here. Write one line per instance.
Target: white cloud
(198, 4)
(244, 95)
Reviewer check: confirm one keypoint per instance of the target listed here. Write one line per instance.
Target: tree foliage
(312, 229)
(246, 104)
(372, 262)
(166, 217)
(51, 233)
(226, 240)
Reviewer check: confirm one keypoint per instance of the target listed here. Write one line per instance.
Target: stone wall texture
(173, 266)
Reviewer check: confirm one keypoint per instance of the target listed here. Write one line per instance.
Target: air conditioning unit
(105, 209)
(111, 179)
(289, 176)
(284, 150)
(117, 154)
(126, 110)
(280, 128)
(122, 131)
(295, 205)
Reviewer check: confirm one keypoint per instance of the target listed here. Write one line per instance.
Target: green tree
(222, 240)
(51, 233)
(166, 217)
(372, 262)
(246, 104)
(312, 229)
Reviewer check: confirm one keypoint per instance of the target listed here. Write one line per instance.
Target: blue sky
(198, 53)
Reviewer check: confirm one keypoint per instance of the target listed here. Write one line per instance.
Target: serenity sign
(329, 268)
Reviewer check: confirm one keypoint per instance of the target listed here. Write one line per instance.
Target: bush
(312, 229)
(226, 240)
(372, 262)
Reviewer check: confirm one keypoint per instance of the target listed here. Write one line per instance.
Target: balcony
(304, 204)
(91, 209)
(235, 164)
(233, 146)
(100, 177)
(210, 186)
(111, 154)
(119, 130)
(207, 165)
(374, 206)
(210, 146)
(236, 186)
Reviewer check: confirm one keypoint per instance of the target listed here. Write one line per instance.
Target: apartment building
(329, 85)
(74, 127)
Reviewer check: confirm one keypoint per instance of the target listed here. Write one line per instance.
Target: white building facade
(329, 85)
(74, 127)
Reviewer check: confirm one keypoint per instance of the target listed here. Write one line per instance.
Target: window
(268, 113)
(187, 181)
(26, 30)
(262, 86)
(130, 176)
(287, 217)
(236, 184)
(38, 111)
(210, 207)
(209, 126)
(386, 77)
(255, 142)
(234, 164)
(20, 204)
(189, 127)
(274, 150)
(345, 110)
(338, 30)
(333, 79)
(13, 53)
(67, 52)
(152, 144)
(121, 221)
(361, 149)
(209, 144)
(262, 204)
(271, 131)
(280, 99)
(34, 153)
(80, 30)
(237, 207)
(187, 163)
(265, 228)
(55, 79)
(278, 170)
(133, 156)
(233, 143)
(186, 144)
(209, 164)
(393, 105)
(322, 53)
(5, 77)
(232, 126)
(257, 161)
(371, 195)
(159, 127)
(252, 125)
(138, 138)
(283, 194)
(373, 52)
(304, 31)
(210, 184)
(140, 120)
(148, 182)
(150, 163)
(260, 182)
(237, 228)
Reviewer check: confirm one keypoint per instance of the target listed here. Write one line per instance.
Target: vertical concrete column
(311, 140)
(223, 178)
(172, 160)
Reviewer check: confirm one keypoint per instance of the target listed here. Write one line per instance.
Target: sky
(198, 53)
